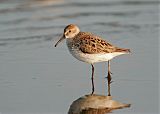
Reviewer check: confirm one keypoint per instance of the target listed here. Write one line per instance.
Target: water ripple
(86, 14)
(100, 4)
(116, 24)
(25, 7)
(46, 37)
(72, 15)
(27, 40)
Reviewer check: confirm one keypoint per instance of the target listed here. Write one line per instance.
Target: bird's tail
(123, 50)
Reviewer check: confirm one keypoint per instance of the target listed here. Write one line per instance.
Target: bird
(90, 48)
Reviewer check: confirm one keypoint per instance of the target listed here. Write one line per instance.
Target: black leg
(92, 78)
(109, 79)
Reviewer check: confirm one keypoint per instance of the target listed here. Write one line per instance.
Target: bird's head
(70, 31)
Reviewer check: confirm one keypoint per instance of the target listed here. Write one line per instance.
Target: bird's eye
(69, 30)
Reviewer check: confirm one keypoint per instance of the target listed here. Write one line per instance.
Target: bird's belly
(90, 58)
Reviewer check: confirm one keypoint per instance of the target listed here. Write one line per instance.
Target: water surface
(35, 77)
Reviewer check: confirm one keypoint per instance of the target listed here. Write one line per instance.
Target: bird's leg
(109, 78)
(92, 79)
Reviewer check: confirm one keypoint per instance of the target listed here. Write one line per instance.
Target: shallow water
(35, 77)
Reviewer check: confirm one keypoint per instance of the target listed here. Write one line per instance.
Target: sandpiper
(90, 48)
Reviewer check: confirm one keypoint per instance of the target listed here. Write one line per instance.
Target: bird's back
(93, 44)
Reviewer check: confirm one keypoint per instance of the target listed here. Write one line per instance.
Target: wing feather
(92, 44)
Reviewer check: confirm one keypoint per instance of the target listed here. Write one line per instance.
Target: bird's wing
(93, 44)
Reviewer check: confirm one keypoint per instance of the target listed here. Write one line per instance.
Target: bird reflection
(95, 111)
(109, 78)
(97, 104)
